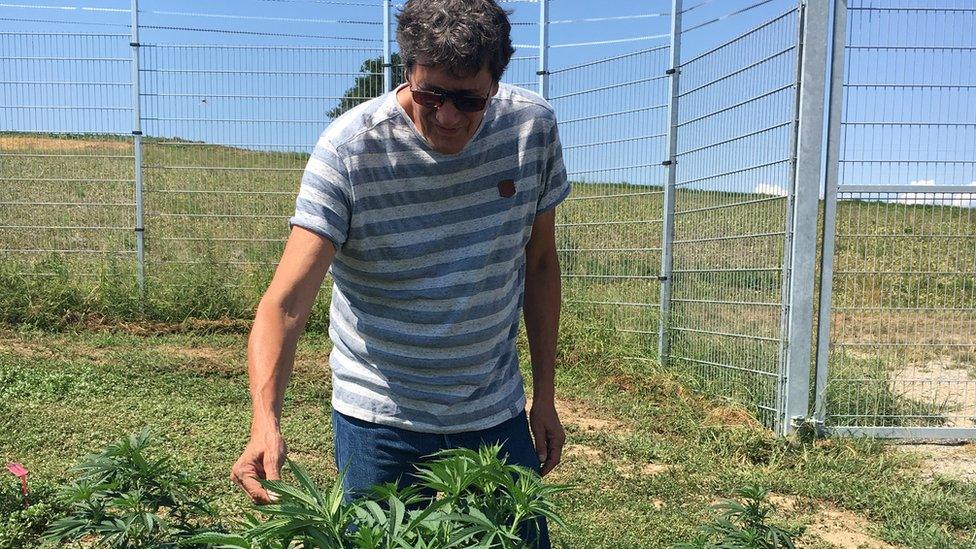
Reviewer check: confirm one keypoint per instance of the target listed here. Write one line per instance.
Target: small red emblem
(506, 188)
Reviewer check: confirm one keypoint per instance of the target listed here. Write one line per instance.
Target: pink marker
(18, 470)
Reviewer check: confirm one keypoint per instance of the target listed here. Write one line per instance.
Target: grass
(216, 219)
(645, 477)
(84, 359)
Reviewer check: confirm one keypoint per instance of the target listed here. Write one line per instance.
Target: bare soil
(827, 523)
(575, 413)
(49, 144)
(942, 383)
(957, 462)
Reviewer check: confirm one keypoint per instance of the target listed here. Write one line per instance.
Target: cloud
(959, 200)
(771, 189)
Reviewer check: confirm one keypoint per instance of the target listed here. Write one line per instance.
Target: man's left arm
(542, 302)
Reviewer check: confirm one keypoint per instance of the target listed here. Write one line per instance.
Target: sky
(262, 73)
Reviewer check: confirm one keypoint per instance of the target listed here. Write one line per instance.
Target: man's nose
(448, 115)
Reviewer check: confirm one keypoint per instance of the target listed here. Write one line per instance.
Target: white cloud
(959, 200)
(918, 198)
(770, 188)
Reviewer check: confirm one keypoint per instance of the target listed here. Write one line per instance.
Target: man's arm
(542, 302)
(279, 321)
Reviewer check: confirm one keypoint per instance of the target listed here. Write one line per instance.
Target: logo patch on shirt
(506, 188)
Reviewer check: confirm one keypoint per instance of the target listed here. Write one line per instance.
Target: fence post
(667, 238)
(137, 150)
(806, 195)
(543, 71)
(835, 112)
(387, 62)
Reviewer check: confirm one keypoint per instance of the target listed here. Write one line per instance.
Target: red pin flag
(18, 470)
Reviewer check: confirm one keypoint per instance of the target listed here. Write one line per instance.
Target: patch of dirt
(730, 416)
(49, 144)
(950, 326)
(940, 383)
(957, 462)
(583, 452)
(575, 413)
(785, 503)
(842, 528)
(596, 456)
(630, 471)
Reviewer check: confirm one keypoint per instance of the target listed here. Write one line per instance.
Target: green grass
(216, 219)
(65, 394)
(84, 359)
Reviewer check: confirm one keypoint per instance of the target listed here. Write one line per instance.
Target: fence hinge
(671, 71)
(662, 278)
(541, 73)
(668, 162)
(140, 229)
(134, 44)
(386, 65)
(136, 132)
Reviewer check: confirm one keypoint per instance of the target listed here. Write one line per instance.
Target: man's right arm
(278, 323)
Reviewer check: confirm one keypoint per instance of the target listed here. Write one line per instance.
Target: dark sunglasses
(463, 103)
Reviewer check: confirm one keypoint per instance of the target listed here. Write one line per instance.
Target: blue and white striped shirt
(429, 269)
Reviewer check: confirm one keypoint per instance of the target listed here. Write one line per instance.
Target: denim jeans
(371, 453)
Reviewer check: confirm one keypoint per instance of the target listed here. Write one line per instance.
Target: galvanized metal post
(835, 111)
(543, 71)
(806, 195)
(667, 238)
(137, 150)
(387, 65)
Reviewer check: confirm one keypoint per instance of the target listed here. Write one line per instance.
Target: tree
(369, 84)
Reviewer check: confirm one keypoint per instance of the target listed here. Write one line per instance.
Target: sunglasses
(462, 102)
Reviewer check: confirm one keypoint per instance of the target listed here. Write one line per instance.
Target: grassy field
(216, 218)
(84, 360)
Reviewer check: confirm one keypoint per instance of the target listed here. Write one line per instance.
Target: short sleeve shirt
(429, 270)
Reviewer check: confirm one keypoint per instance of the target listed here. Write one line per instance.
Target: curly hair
(459, 36)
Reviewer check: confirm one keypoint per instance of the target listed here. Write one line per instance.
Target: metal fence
(693, 227)
(614, 133)
(897, 352)
(736, 127)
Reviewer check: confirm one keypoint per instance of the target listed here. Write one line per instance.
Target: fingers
(555, 451)
(246, 476)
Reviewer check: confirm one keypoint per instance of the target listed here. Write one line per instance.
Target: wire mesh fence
(613, 126)
(66, 197)
(902, 342)
(232, 127)
(736, 126)
(227, 126)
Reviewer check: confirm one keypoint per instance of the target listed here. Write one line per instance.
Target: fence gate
(613, 126)
(733, 197)
(897, 348)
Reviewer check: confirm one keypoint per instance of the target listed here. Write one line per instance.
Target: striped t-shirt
(429, 268)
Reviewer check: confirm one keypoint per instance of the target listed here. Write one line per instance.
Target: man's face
(446, 128)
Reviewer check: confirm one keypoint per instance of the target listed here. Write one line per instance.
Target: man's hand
(549, 434)
(262, 458)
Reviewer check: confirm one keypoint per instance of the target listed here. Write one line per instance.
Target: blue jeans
(371, 453)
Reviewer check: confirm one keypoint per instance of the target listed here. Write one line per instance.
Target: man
(434, 205)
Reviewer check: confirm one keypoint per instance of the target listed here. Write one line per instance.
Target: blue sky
(222, 93)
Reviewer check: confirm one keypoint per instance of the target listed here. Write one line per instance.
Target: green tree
(369, 84)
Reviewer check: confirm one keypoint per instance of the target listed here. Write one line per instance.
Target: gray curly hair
(459, 36)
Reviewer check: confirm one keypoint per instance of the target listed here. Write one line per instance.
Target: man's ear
(494, 89)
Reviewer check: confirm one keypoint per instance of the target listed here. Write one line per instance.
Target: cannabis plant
(479, 501)
(744, 525)
(123, 498)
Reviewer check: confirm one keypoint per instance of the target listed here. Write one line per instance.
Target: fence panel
(902, 339)
(66, 174)
(613, 119)
(229, 132)
(736, 142)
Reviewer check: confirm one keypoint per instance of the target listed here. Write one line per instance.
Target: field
(83, 360)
